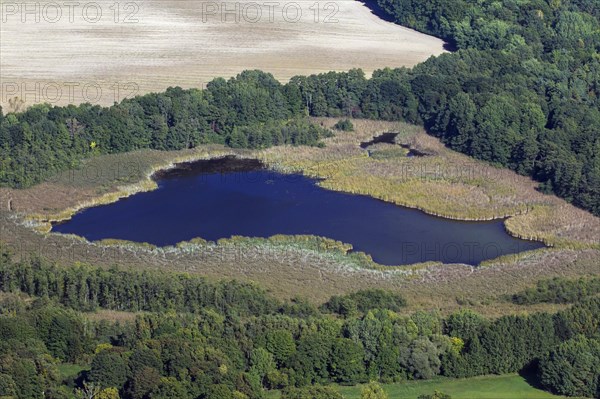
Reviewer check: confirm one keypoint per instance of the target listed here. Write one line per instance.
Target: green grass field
(509, 386)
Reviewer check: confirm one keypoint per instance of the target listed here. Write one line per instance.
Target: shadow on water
(227, 164)
(226, 197)
(387, 138)
(390, 138)
(413, 152)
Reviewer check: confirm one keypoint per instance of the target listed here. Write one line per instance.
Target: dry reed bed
(446, 184)
(287, 266)
(98, 182)
(288, 271)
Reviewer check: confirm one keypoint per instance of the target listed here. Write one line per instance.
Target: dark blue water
(220, 198)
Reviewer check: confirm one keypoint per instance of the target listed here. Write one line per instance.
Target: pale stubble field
(106, 50)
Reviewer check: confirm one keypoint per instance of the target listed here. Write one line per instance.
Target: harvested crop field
(114, 50)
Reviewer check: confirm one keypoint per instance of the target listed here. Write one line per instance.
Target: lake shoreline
(235, 163)
(512, 221)
(292, 267)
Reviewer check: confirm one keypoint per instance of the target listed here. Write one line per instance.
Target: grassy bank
(290, 266)
(509, 386)
(445, 183)
(131, 175)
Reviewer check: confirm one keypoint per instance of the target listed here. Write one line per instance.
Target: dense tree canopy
(229, 340)
(521, 90)
(573, 368)
(559, 290)
(250, 111)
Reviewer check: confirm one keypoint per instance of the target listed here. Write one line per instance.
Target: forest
(521, 90)
(559, 290)
(191, 338)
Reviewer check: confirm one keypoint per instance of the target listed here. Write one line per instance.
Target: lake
(224, 197)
